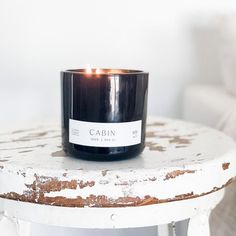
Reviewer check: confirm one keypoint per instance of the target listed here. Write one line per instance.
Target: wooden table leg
(166, 230)
(163, 230)
(199, 224)
(13, 227)
(8, 226)
(24, 228)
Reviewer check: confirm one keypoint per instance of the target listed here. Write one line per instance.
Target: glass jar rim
(105, 71)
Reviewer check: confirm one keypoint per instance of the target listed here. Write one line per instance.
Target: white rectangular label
(105, 134)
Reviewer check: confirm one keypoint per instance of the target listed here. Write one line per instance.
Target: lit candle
(104, 113)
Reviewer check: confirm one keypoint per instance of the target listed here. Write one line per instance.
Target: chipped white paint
(181, 161)
(112, 217)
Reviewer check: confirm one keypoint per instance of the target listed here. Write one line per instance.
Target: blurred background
(178, 42)
(188, 47)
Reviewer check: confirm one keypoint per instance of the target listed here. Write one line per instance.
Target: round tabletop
(181, 161)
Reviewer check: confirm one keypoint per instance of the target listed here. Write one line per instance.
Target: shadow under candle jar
(104, 113)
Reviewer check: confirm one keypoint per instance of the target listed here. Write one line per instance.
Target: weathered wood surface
(181, 161)
(111, 217)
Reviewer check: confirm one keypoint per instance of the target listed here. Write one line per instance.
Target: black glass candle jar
(104, 113)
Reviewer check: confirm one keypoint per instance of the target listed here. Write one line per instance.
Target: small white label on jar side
(95, 134)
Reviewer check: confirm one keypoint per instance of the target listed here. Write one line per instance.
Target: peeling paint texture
(225, 166)
(175, 173)
(181, 161)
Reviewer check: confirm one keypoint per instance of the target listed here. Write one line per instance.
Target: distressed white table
(181, 174)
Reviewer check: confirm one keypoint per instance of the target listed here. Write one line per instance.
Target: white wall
(173, 40)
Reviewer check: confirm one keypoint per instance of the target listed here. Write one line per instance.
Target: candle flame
(88, 69)
(98, 71)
